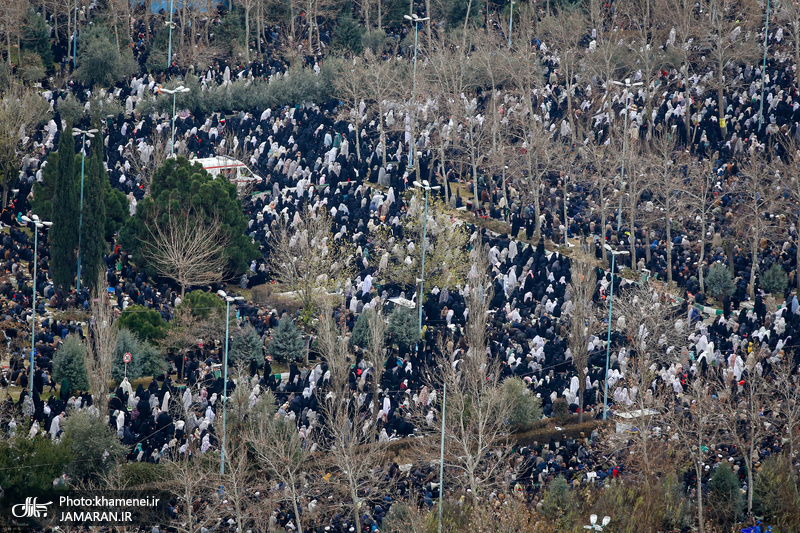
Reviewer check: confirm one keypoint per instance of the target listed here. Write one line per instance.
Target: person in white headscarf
(187, 400)
(55, 426)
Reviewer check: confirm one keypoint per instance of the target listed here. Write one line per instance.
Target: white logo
(30, 509)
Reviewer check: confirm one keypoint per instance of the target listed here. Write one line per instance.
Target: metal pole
(422, 276)
(764, 68)
(614, 256)
(225, 384)
(75, 39)
(510, 24)
(169, 49)
(80, 220)
(33, 322)
(413, 96)
(172, 144)
(441, 456)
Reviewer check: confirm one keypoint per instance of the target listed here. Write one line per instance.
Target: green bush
(69, 363)
(719, 282)
(525, 407)
(30, 466)
(774, 280)
(202, 304)
(94, 447)
(375, 40)
(99, 60)
(143, 322)
(561, 409)
(146, 360)
(347, 34)
(558, 502)
(725, 499)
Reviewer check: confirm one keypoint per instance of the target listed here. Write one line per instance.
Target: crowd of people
(306, 156)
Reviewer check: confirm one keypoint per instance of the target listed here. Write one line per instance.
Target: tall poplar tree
(65, 212)
(93, 240)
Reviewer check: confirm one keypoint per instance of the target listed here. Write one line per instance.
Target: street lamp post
(174, 92)
(510, 23)
(228, 300)
(75, 39)
(427, 188)
(417, 21)
(90, 134)
(171, 26)
(36, 225)
(614, 254)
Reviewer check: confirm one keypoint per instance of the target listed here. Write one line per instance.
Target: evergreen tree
(65, 211)
(287, 342)
(145, 323)
(145, 359)
(93, 240)
(719, 282)
(69, 363)
(245, 347)
(36, 38)
(725, 500)
(404, 326)
(361, 331)
(347, 35)
(187, 188)
(774, 280)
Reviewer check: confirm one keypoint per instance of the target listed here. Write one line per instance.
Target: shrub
(525, 408)
(719, 282)
(146, 360)
(69, 363)
(143, 322)
(202, 304)
(100, 62)
(30, 466)
(375, 40)
(558, 501)
(561, 409)
(94, 448)
(774, 280)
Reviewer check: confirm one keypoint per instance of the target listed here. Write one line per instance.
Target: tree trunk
(383, 134)
(702, 258)
(294, 504)
(698, 471)
(633, 233)
(581, 391)
(753, 266)
(669, 255)
(246, 33)
(720, 104)
(749, 463)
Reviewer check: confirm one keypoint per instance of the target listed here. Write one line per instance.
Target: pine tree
(287, 343)
(404, 326)
(65, 212)
(69, 364)
(246, 347)
(93, 241)
(361, 333)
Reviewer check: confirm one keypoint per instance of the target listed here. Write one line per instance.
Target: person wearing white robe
(55, 427)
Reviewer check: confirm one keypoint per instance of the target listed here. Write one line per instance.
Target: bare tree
(583, 320)
(306, 258)
(760, 198)
(695, 421)
(147, 158)
(102, 343)
(443, 238)
(745, 421)
(280, 451)
(787, 393)
(350, 442)
(191, 477)
(21, 110)
(352, 90)
(187, 249)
